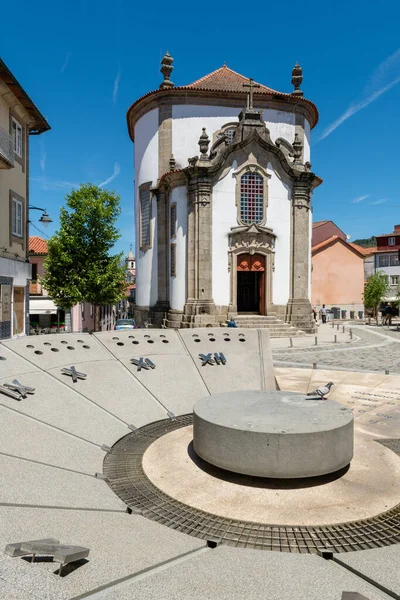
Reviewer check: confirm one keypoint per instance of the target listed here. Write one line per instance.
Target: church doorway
(251, 284)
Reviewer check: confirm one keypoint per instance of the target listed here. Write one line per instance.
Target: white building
(222, 200)
(387, 260)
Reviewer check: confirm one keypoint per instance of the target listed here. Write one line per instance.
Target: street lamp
(44, 219)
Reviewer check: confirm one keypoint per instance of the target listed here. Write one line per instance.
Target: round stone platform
(273, 434)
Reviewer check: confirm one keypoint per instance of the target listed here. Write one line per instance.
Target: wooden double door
(251, 283)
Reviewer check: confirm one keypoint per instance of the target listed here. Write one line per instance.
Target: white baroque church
(223, 188)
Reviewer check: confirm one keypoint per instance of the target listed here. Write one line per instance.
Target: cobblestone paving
(376, 350)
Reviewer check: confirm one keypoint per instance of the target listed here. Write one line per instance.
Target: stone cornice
(186, 95)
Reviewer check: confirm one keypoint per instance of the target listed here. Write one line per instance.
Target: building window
(145, 216)
(34, 272)
(173, 220)
(17, 218)
(392, 241)
(91, 310)
(173, 260)
(394, 260)
(251, 198)
(384, 260)
(229, 131)
(17, 137)
(394, 280)
(83, 311)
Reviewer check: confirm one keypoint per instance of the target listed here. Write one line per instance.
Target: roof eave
(187, 90)
(41, 125)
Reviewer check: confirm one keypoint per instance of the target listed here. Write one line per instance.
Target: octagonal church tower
(223, 188)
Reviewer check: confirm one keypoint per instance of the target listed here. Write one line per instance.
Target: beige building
(19, 118)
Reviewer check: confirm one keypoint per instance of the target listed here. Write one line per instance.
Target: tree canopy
(79, 266)
(376, 288)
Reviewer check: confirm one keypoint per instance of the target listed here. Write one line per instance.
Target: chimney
(397, 229)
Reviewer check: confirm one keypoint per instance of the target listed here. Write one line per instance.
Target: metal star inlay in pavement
(16, 386)
(74, 373)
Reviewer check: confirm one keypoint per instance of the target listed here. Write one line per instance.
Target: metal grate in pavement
(126, 477)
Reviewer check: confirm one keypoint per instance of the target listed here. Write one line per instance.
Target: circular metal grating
(126, 477)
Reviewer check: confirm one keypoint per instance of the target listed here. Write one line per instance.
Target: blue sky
(84, 63)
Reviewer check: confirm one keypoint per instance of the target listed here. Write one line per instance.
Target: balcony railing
(35, 288)
(6, 149)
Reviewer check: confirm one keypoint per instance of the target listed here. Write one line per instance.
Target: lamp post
(44, 219)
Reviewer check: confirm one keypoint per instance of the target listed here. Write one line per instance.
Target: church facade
(223, 188)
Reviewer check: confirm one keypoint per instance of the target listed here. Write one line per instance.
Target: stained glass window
(173, 260)
(251, 198)
(145, 217)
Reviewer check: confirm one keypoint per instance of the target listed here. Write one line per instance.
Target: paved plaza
(371, 348)
(75, 455)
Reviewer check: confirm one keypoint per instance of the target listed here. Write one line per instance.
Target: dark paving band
(126, 477)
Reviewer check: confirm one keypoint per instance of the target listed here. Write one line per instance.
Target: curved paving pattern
(123, 468)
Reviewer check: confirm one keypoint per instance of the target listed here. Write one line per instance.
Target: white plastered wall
(307, 140)
(225, 217)
(177, 284)
(146, 170)
(188, 121)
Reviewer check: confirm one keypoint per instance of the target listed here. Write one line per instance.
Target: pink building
(337, 272)
(43, 312)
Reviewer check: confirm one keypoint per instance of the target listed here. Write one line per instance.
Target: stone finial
(166, 70)
(297, 149)
(204, 142)
(297, 79)
(172, 163)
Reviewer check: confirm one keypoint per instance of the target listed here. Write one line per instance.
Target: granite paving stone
(23, 482)
(381, 564)
(58, 405)
(120, 545)
(233, 574)
(25, 438)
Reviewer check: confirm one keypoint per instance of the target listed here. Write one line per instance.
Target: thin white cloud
(381, 201)
(52, 184)
(116, 86)
(359, 199)
(66, 61)
(42, 160)
(384, 78)
(117, 171)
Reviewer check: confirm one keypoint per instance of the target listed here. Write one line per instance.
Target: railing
(6, 146)
(35, 288)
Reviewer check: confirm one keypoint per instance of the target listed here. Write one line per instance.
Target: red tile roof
(364, 251)
(332, 240)
(37, 245)
(225, 79)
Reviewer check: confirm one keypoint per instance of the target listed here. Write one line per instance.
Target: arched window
(229, 131)
(251, 198)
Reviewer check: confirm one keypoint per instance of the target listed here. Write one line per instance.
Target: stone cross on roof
(251, 85)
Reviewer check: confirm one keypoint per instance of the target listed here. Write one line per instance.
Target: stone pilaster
(299, 306)
(199, 308)
(164, 138)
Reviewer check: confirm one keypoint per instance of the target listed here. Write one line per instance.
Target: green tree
(79, 266)
(376, 288)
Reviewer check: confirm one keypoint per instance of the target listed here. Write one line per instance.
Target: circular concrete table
(273, 434)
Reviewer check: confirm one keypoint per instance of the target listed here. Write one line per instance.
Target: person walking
(389, 314)
(323, 313)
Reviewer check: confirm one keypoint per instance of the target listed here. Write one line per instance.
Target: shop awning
(42, 306)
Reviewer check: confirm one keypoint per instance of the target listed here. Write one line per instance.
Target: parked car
(124, 324)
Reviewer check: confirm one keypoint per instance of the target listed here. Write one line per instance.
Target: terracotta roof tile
(364, 251)
(37, 245)
(336, 238)
(225, 79)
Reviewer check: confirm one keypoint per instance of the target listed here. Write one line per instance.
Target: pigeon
(322, 391)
